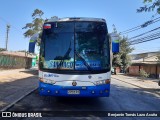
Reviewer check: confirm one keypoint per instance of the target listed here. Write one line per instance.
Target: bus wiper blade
(84, 61)
(66, 56)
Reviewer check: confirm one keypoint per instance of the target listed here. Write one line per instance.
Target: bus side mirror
(115, 42)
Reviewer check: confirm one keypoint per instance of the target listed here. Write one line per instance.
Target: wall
(118, 70)
(134, 70)
(152, 70)
(12, 62)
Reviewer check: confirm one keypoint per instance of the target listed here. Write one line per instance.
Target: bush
(143, 74)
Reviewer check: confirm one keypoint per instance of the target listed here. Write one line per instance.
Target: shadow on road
(121, 99)
(32, 72)
(12, 89)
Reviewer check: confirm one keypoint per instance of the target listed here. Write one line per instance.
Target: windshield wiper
(84, 61)
(66, 56)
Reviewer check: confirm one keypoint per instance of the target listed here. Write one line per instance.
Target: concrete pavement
(148, 83)
(14, 84)
(123, 97)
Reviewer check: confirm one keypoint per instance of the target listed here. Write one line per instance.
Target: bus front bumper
(66, 91)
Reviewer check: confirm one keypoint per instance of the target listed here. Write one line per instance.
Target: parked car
(113, 71)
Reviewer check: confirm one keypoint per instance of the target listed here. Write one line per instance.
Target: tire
(159, 83)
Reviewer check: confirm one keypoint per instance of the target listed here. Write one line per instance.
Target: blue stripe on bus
(62, 91)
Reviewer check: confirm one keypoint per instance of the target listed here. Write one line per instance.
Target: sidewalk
(16, 83)
(146, 83)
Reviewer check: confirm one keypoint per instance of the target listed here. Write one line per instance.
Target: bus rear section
(74, 58)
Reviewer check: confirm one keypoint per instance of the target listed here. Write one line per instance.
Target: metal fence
(9, 62)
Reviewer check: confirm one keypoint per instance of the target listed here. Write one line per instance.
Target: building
(12, 60)
(149, 62)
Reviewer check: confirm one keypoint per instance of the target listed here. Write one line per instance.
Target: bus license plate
(73, 92)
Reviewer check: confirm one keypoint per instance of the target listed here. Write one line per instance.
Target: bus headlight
(41, 79)
(101, 82)
(47, 81)
(107, 81)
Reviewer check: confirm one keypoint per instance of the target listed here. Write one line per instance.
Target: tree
(117, 61)
(36, 25)
(150, 5)
(2, 49)
(21, 51)
(143, 74)
(158, 57)
(122, 59)
(125, 49)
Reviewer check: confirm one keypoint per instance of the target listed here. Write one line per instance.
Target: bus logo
(74, 83)
(89, 76)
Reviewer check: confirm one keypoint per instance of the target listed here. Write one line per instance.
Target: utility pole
(114, 29)
(8, 28)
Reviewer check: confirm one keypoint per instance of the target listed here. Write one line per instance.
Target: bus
(74, 59)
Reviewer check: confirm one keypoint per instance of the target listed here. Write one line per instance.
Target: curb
(127, 82)
(158, 93)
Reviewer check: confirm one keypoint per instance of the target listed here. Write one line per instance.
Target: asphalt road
(123, 97)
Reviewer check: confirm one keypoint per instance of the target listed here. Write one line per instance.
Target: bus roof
(55, 19)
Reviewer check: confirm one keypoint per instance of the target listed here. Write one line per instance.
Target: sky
(121, 13)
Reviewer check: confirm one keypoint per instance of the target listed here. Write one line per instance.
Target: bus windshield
(75, 46)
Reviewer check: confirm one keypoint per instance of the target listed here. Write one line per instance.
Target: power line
(132, 29)
(147, 37)
(141, 26)
(7, 22)
(146, 48)
(135, 50)
(144, 33)
(145, 40)
(150, 37)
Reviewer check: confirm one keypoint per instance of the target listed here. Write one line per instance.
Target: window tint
(60, 27)
(90, 27)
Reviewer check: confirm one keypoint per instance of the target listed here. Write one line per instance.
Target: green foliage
(37, 13)
(150, 5)
(122, 59)
(147, 1)
(125, 49)
(21, 51)
(143, 74)
(36, 25)
(158, 57)
(2, 49)
(117, 61)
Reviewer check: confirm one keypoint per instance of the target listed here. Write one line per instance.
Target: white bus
(74, 58)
